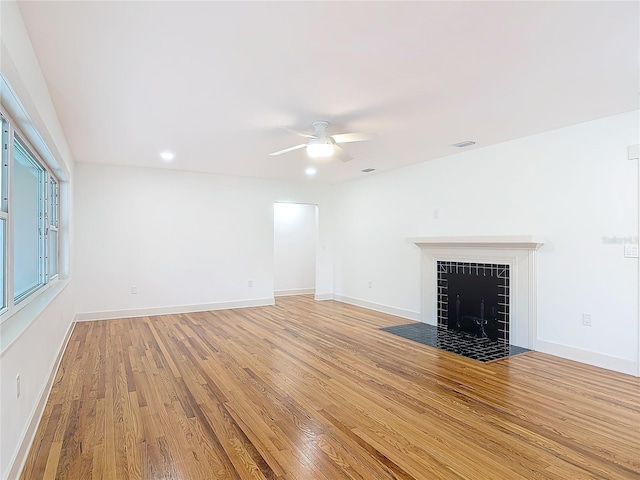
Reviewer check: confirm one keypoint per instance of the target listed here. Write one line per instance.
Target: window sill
(14, 326)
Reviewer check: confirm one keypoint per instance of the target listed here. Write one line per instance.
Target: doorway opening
(295, 236)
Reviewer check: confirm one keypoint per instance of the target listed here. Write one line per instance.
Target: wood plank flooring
(314, 390)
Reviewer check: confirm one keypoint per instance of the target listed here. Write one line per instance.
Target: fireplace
(474, 298)
(512, 262)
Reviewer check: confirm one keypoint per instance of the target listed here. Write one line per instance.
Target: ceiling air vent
(467, 143)
(367, 170)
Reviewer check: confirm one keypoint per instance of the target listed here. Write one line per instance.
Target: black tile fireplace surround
(474, 298)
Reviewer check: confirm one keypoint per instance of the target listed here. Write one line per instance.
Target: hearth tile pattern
(481, 349)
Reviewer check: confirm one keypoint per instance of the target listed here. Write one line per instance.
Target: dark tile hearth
(482, 349)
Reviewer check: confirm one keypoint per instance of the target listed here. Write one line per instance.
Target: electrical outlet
(436, 214)
(134, 290)
(370, 284)
(250, 283)
(18, 386)
(631, 251)
(586, 319)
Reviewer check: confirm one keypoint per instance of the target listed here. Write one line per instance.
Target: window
(52, 231)
(27, 213)
(29, 221)
(4, 180)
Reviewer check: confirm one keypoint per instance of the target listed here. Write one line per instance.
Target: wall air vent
(367, 170)
(467, 143)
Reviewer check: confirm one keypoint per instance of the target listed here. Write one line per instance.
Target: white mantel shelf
(501, 241)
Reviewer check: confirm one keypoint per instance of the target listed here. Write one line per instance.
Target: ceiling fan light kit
(320, 148)
(322, 145)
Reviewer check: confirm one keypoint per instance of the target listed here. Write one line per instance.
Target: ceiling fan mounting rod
(320, 128)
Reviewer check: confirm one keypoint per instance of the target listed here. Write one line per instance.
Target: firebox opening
(474, 298)
(473, 305)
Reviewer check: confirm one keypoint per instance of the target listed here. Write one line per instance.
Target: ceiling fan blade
(290, 149)
(341, 153)
(301, 134)
(352, 137)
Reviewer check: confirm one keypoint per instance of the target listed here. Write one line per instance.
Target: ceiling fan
(322, 145)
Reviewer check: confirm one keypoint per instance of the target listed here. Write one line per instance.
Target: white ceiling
(213, 81)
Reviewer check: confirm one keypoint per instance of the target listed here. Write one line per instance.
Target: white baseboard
(294, 291)
(398, 312)
(323, 296)
(18, 461)
(591, 358)
(146, 312)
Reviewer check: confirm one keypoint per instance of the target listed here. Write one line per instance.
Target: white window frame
(13, 133)
(52, 222)
(4, 209)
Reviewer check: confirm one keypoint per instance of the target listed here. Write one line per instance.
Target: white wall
(572, 186)
(295, 238)
(34, 355)
(183, 239)
(32, 340)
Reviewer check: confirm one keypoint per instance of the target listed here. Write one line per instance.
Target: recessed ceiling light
(310, 171)
(367, 170)
(167, 156)
(466, 143)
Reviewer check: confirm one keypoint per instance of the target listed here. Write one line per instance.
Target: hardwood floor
(314, 390)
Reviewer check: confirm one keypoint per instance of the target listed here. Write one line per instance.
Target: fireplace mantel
(530, 242)
(516, 251)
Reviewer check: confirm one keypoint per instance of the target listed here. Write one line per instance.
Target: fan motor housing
(320, 141)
